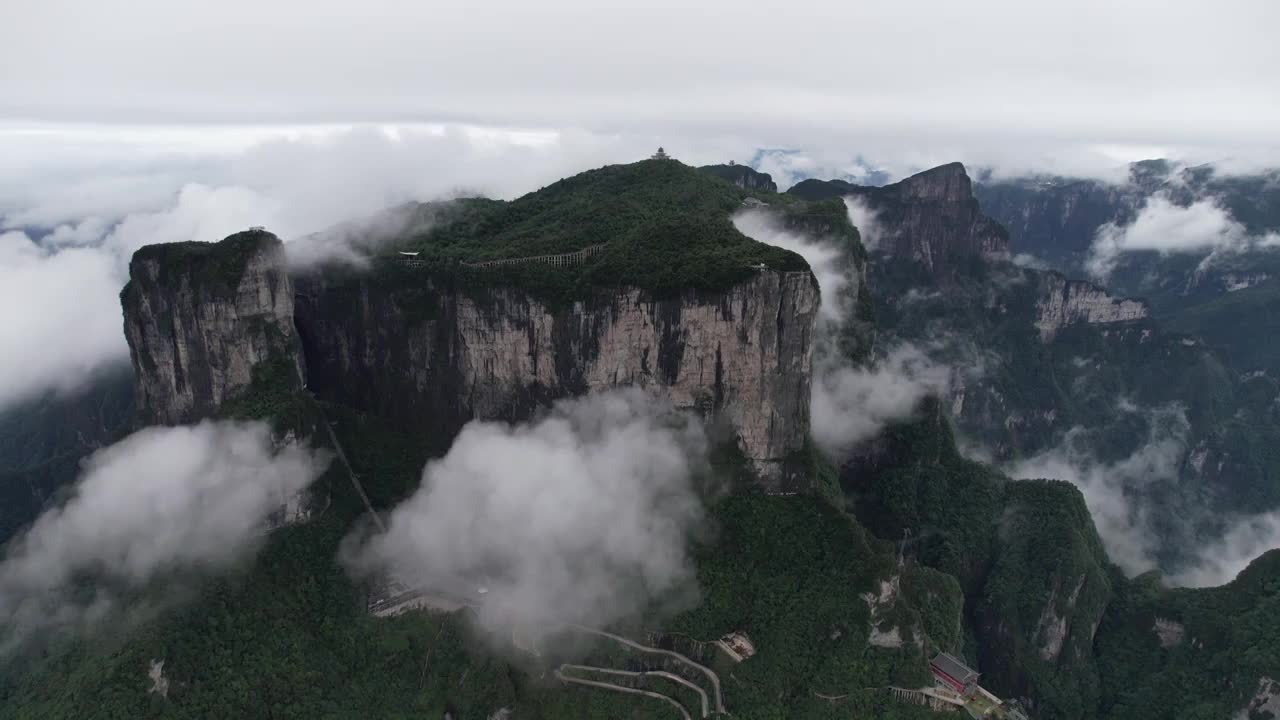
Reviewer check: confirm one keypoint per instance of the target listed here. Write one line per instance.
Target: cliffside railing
(556, 260)
(568, 259)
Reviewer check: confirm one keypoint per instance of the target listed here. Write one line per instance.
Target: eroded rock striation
(437, 357)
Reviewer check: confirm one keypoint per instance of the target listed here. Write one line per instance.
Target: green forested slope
(288, 636)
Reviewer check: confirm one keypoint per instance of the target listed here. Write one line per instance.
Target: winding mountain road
(702, 694)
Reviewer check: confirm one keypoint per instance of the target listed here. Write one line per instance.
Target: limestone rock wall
(1065, 302)
(199, 319)
(436, 358)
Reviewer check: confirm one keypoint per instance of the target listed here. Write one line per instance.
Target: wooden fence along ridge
(556, 260)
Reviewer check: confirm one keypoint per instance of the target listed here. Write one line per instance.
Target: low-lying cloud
(74, 273)
(354, 242)
(67, 253)
(582, 516)
(851, 405)
(830, 263)
(1113, 492)
(163, 501)
(1221, 561)
(788, 167)
(866, 220)
(61, 318)
(1165, 227)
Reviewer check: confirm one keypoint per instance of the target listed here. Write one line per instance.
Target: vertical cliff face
(438, 357)
(205, 322)
(933, 218)
(1065, 302)
(1055, 219)
(743, 176)
(199, 317)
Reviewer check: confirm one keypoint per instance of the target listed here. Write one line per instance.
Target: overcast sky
(911, 76)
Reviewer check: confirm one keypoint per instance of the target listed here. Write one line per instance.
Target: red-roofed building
(951, 672)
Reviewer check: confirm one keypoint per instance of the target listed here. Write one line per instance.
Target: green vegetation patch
(664, 227)
(790, 573)
(213, 267)
(1217, 644)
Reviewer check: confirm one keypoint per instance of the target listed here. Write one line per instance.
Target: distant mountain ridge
(1036, 353)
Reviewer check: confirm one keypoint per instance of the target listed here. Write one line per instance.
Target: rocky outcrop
(1170, 633)
(159, 683)
(1234, 282)
(436, 357)
(743, 176)
(931, 217)
(1210, 280)
(204, 321)
(1055, 623)
(881, 632)
(199, 317)
(1065, 302)
(1265, 703)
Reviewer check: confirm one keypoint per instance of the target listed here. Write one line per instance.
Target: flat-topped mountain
(625, 275)
(200, 317)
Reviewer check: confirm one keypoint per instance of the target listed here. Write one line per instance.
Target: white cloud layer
(161, 501)
(1162, 226)
(866, 220)
(582, 516)
(851, 405)
(74, 220)
(59, 317)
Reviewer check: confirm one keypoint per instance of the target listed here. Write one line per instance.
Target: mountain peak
(945, 183)
(931, 217)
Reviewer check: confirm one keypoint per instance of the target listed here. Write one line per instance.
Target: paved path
(711, 675)
(655, 673)
(622, 688)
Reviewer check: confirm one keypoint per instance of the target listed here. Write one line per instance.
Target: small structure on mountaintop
(660, 155)
(952, 673)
